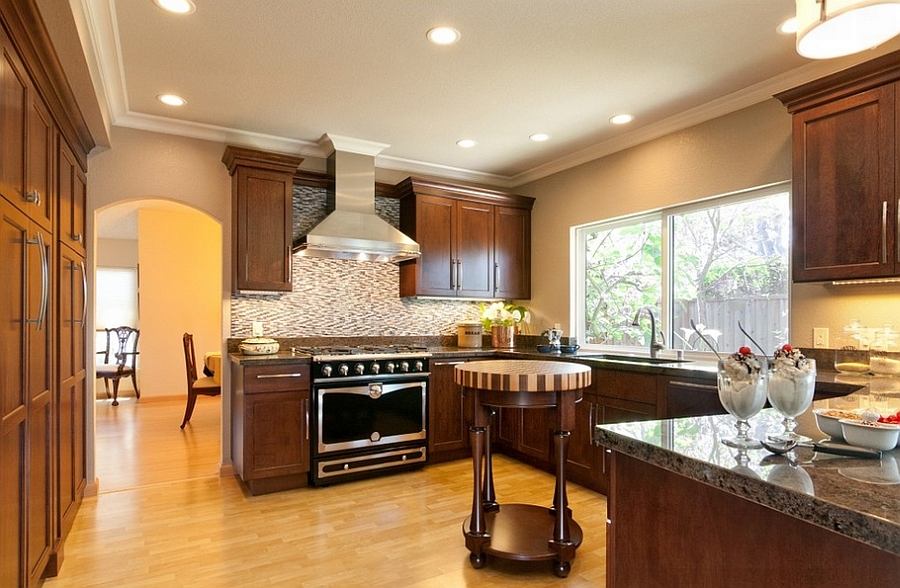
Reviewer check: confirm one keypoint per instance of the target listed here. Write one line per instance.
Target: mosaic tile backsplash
(340, 298)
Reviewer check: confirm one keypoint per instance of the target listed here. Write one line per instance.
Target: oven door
(369, 415)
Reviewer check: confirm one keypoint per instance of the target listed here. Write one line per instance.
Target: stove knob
(418, 367)
(360, 369)
(404, 366)
(389, 367)
(326, 370)
(343, 369)
(375, 368)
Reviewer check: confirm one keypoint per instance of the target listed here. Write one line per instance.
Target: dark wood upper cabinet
(261, 193)
(846, 130)
(475, 243)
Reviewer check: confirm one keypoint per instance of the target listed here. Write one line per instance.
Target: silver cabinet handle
(271, 376)
(32, 196)
(78, 237)
(453, 274)
(84, 285)
(45, 280)
(459, 274)
(694, 385)
(496, 277)
(305, 410)
(884, 232)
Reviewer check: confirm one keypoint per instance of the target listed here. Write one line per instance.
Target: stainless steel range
(370, 411)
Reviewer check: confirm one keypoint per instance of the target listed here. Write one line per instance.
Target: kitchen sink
(638, 359)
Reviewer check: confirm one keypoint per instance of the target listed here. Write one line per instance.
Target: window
(718, 262)
(116, 301)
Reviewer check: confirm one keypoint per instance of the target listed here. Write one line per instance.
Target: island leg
(488, 494)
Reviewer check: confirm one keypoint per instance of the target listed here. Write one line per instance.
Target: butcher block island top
(523, 376)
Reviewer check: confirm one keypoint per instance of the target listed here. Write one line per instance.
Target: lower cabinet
(684, 397)
(449, 413)
(270, 424)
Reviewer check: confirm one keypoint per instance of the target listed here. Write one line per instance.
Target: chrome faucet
(655, 346)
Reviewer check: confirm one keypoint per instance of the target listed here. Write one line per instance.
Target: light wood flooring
(165, 518)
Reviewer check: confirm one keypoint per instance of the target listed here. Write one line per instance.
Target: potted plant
(502, 320)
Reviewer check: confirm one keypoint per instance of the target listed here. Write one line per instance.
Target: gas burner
(362, 350)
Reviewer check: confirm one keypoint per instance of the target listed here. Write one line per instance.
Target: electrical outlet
(820, 337)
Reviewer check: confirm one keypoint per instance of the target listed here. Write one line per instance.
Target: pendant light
(834, 28)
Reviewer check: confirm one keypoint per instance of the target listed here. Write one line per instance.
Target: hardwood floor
(172, 525)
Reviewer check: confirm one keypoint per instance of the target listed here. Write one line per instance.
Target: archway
(175, 251)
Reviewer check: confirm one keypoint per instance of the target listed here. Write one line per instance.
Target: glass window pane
(730, 265)
(622, 272)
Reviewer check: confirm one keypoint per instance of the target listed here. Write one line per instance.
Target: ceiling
(280, 74)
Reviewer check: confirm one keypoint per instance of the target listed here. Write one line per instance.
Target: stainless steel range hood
(352, 230)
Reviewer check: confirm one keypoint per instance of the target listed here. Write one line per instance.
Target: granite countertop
(859, 498)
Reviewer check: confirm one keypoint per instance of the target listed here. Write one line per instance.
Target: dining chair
(119, 360)
(205, 385)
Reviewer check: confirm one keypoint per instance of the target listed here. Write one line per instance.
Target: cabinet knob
(78, 237)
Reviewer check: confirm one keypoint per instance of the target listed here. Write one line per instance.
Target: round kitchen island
(521, 531)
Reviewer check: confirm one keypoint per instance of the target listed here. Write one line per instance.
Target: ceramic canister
(469, 334)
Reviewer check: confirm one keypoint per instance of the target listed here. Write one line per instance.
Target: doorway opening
(158, 268)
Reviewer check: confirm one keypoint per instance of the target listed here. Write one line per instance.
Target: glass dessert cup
(743, 397)
(790, 391)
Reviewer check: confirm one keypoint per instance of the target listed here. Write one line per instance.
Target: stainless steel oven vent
(352, 230)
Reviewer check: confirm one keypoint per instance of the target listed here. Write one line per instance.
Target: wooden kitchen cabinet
(846, 137)
(475, 243)
(72, 196)
(449, 413)
(270, 425)
(71, 390)
(262, 217)
(685, 397)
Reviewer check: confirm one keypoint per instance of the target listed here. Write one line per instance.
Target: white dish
(881, 436)
(259, 346)
(831, 425)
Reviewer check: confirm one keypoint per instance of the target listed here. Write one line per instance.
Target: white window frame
(666, 216)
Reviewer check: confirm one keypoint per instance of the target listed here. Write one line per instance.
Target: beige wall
(117, 253)
(745, 149)
(180, 277)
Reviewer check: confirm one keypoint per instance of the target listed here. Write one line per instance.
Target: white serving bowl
(830, 425)
(881, 436)
(259, 346)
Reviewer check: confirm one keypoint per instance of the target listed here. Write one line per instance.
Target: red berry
(744, 351)
(786, 348)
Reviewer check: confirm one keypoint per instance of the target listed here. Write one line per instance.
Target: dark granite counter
(859, 498)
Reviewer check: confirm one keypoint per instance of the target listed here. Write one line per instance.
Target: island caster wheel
(478, 560)
(561, 568)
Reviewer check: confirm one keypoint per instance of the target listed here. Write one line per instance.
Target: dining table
(212, 360)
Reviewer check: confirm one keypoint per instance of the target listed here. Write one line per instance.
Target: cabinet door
(39, 187)
(844, 198)
(474, 242)
(14, 88)
(448, 414)
(536, 440)
(584, 461)
(512, 252)
(70, 402)
(435, 225)
(14, 231)
(262, 235)
(72, 194)
(276, 434)
(615, 410)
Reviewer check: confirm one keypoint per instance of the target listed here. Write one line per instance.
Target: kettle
(554, 335)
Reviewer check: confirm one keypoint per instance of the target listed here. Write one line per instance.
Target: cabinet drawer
(273, 378)
(626, 385)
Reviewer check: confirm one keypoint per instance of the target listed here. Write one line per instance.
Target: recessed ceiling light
(539, 137)
(788, 27)
(443, 35)
(621, 119)
(171, 99)
(466, 143)
(176, 6)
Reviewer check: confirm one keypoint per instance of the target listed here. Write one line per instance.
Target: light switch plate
(820, 337)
